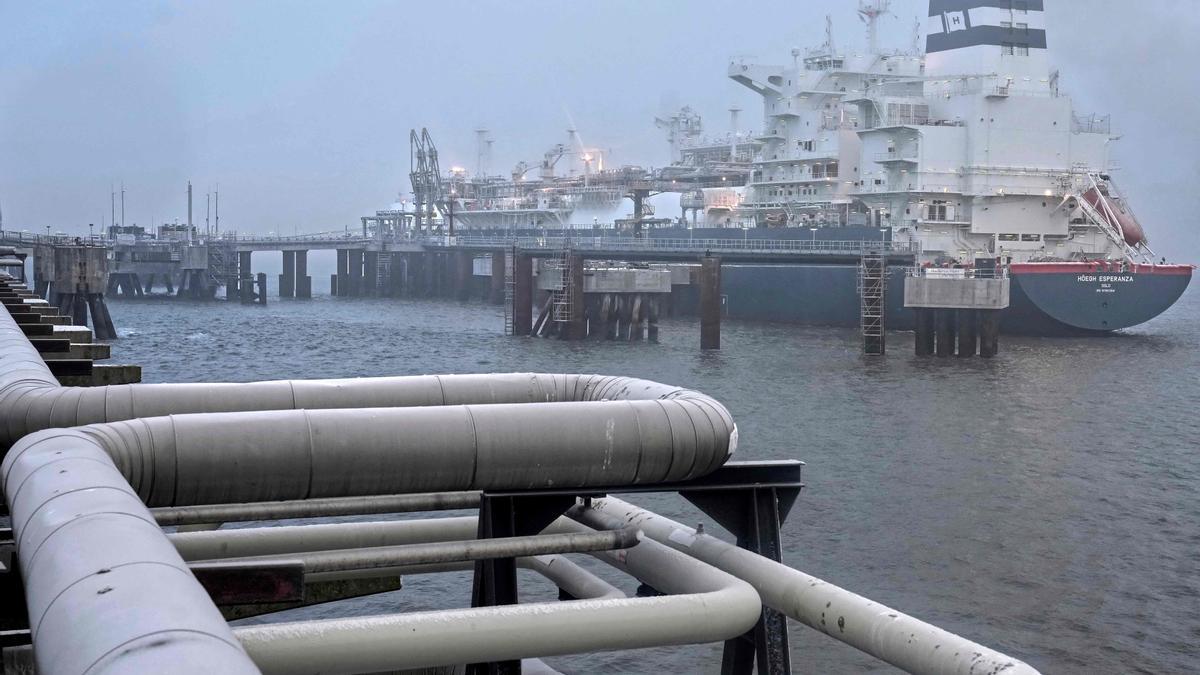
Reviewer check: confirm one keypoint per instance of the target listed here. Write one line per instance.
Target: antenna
(207, 213)
(112, 194)
(829, 35)
(483, 145)
(217, 209)
(733, 131)
(870, 11)
(122, 204)
(916, 36)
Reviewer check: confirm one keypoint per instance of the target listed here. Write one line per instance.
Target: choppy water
(1046, 502)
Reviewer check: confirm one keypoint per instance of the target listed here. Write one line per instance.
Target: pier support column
(496, 283)
(945, 332)
(522, 309)
(262, 288)
(464, 264)
(577, 327)
(989, 332)
(246, 277)
(968, 336)
(710, 302)
(356, 272)
(287, 280)
(341, 280)
(924, 331)
(370, 283)
(652, 316)
(302, 280)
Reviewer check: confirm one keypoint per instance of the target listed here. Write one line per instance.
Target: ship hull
(1046, 299)
(1063, 300)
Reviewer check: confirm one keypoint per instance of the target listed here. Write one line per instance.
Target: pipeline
(31, 398)
(887, 634)
(314, 508)
(705, 605)
(73, 492)
(433, 553)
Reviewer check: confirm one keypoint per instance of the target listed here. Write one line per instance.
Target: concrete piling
(355, 259)
(924, 331)
(944, 327)
(262, 288)
(303, 282)
(464, 262)
(989, 332)
(968, 336)
(710, 302)
(246, 278)
(287, 280)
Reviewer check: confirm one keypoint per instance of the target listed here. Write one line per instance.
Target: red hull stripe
(1098, 267)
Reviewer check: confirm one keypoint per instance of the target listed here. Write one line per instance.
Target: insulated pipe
(31, 398)
(455, 551)
(712, 606)
(104, 588)
(58, 482)
(219, 458)
(315, 508)
(887, 634)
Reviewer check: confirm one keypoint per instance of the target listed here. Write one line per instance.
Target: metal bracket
(750, 499)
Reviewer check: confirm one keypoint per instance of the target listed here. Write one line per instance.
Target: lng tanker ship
(965, 151)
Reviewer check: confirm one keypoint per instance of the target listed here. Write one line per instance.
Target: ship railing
(693, 245)
(961, 272)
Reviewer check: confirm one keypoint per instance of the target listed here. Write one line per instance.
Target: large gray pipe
(31, 398)
(885, 633)
(69, 490)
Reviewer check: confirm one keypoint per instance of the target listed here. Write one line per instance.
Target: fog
(300, 112)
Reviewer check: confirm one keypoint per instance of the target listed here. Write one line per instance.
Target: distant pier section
(957, 309)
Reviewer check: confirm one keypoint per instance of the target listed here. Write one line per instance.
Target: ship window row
(800, 192)
(1010, 49)
(1023, 27)
(1019, 237)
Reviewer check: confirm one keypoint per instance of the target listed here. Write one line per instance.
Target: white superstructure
(970, 148)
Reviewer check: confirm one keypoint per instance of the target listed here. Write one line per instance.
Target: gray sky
(301, 110)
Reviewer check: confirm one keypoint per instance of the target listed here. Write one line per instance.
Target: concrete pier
(287, 279)
(303, 281)
(78, 286)
(965, 305)
(966, 328)
(355, 276)
(710, 302)
(989, 332)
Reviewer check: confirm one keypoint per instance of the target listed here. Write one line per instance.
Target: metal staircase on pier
(872, 285)
(222, 265)
(509, 260)
(383, 272)
(562, 307)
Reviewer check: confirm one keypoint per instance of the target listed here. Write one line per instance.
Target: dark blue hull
(1048, 303)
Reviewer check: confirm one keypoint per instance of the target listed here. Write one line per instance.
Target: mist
(300, 112)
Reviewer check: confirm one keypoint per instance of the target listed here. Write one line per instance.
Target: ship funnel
(1001, 43)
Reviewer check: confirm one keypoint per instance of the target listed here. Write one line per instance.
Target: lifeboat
(1111, 208)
